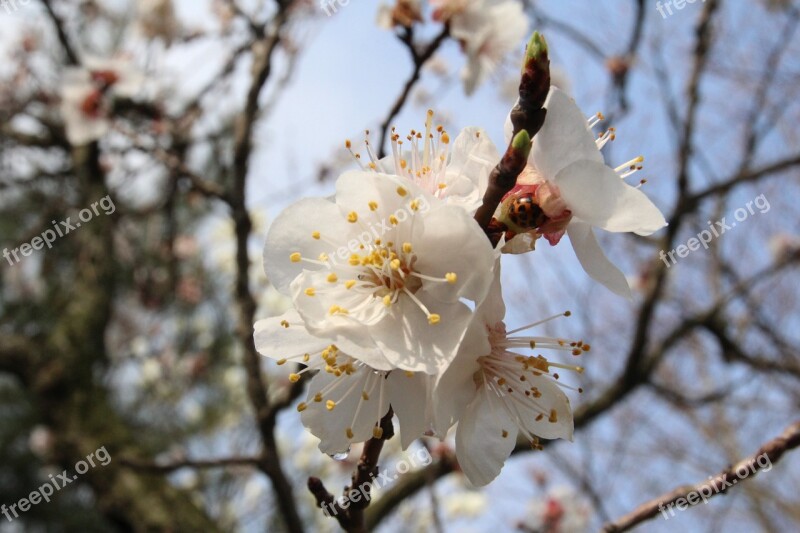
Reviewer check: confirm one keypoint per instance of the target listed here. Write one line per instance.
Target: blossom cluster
(397, 301)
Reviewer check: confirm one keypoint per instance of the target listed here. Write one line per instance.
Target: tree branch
(774, 450)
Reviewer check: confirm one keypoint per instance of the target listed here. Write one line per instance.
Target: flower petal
(330, 426)
(552, 400)
(472, 159)
(392, 194)
(597, 195)
(481, 447)
(448, 240)
(292, 232)
(283, 336)
(594, 261)
(411, 398)
(409, 342)
(455, 389)
(564, 138)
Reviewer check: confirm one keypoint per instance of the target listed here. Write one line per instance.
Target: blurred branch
(701, 52)
(166, 468)
(742, 178)
(72, 57)
(256, 386)
(774, 450)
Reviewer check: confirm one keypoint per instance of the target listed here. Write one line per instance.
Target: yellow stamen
(295, 257)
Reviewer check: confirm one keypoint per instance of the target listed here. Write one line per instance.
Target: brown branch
(702, 48)
(743, 178)
(773, 450)
(351, 516)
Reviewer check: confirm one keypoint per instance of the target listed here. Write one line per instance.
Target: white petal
(410, 397)
(345, 331)
(594, 261)
(447, 239)
(520, 243)
(331, 426)
(493, 308)
(564, 138)
(472, 159)
(356, 189)
(508, 127)
(596, 194)
(409, 342)
(481, 448)
(292, 232)
(276, 341)
(455, 389)
(552, 399)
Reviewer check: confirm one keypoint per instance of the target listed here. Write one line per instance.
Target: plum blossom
(487, 30)
(570, 190)
(456, 172)
(496, 393)
(381, 270)
(87, 96)
(346, 398)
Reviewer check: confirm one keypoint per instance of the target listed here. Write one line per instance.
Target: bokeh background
(133, 332)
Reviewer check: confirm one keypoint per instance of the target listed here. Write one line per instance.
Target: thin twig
(773, 450)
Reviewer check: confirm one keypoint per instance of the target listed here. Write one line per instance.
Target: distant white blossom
(87, 95)
(488, 31)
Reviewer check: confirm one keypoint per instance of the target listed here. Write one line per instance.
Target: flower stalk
(527, 117)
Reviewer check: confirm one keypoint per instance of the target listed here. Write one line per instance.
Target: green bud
(522, 142)
(537, 47)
